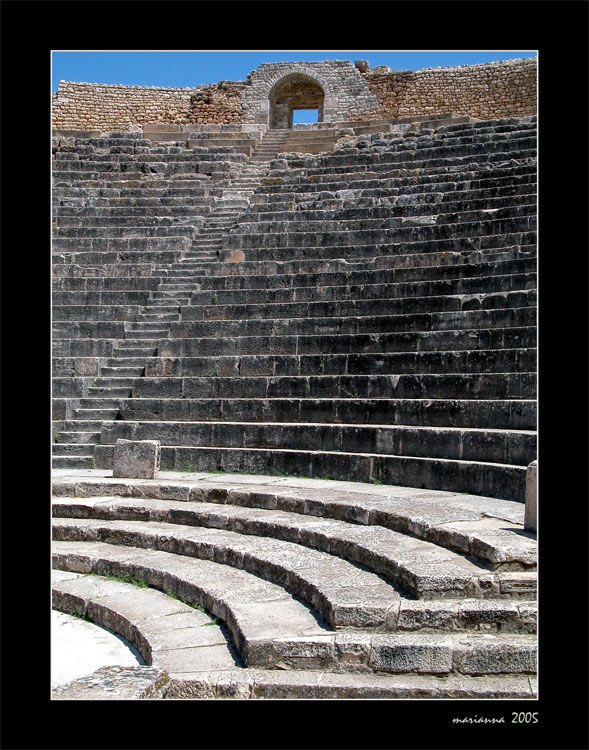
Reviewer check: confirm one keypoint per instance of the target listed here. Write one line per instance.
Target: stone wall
(220, 103)
(499, 89)
(91, 106)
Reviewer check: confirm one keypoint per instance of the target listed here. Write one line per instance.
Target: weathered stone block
(415, 653)
(530, 517)
(137, 459)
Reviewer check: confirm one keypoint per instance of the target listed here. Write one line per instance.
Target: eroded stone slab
(136, 459)
(117, 683)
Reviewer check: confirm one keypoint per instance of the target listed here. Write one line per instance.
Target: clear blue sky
(183, 69)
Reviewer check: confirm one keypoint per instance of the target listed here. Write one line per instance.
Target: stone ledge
(117, 683)
(179, 643)
(432, 515)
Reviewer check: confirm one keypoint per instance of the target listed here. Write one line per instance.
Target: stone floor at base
(79, 648)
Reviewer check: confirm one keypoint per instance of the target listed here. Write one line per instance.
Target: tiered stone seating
(343, 586)
(380, 333)
(240, 140)
(416, 368)
(125, 212)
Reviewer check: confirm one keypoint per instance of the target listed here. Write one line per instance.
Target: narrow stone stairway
(207, 244)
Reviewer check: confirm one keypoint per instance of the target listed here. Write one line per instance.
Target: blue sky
(182, 69)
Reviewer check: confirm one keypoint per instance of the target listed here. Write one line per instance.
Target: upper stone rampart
(499, 89)
(339, 90)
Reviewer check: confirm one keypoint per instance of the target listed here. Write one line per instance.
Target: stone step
(76, 348)
(120, 372)
(392, 363)
(367, 199)
(169, 248)
(129, 351)
(89, 413)
(171, 314)
(124, 263)
(499, 414)
(128, 360)
(75, 425)
(489, 445)
(130, 342)
(141, 194)
(184, 183)
(104, 283)
(206, 243)
(518, 317)
(393, 212)
(352, 251)
(396, 181)
(76, 450)
(182, 269)
(277, 642)
(478, 478)
(309, 684)
(342, 308)
(488, 338)
(490, 386)
(137, 327)
(118, 297)
(328, 272)
(377, 290)
(98, 402)
(108, 391)
(171, 286)
(119, 383)
(402, 234)
(212, 232)
(362, 276)
(364, 602)
(71, 432)
(127, 201)
(167, 632)
(128, 153)
(164, 302)
(113, 214)
(141, 166)
(457, 155)
(72, 462)
(149, 333)
(465, 523)
(133, 231)
(353, 173)
(402, 558)
(203, 256)
(159, 312)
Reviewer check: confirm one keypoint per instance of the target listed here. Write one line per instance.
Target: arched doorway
(294, 91)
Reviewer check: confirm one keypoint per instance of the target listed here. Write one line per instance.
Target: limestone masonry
(499, 89)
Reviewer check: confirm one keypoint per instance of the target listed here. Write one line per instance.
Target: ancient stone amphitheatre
(323, 339)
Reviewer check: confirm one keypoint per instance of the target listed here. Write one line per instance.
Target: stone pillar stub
(136, 459)
(531, 511)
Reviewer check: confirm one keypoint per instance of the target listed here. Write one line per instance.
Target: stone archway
(294, 91)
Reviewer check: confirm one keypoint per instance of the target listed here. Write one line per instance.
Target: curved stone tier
(307, 576)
